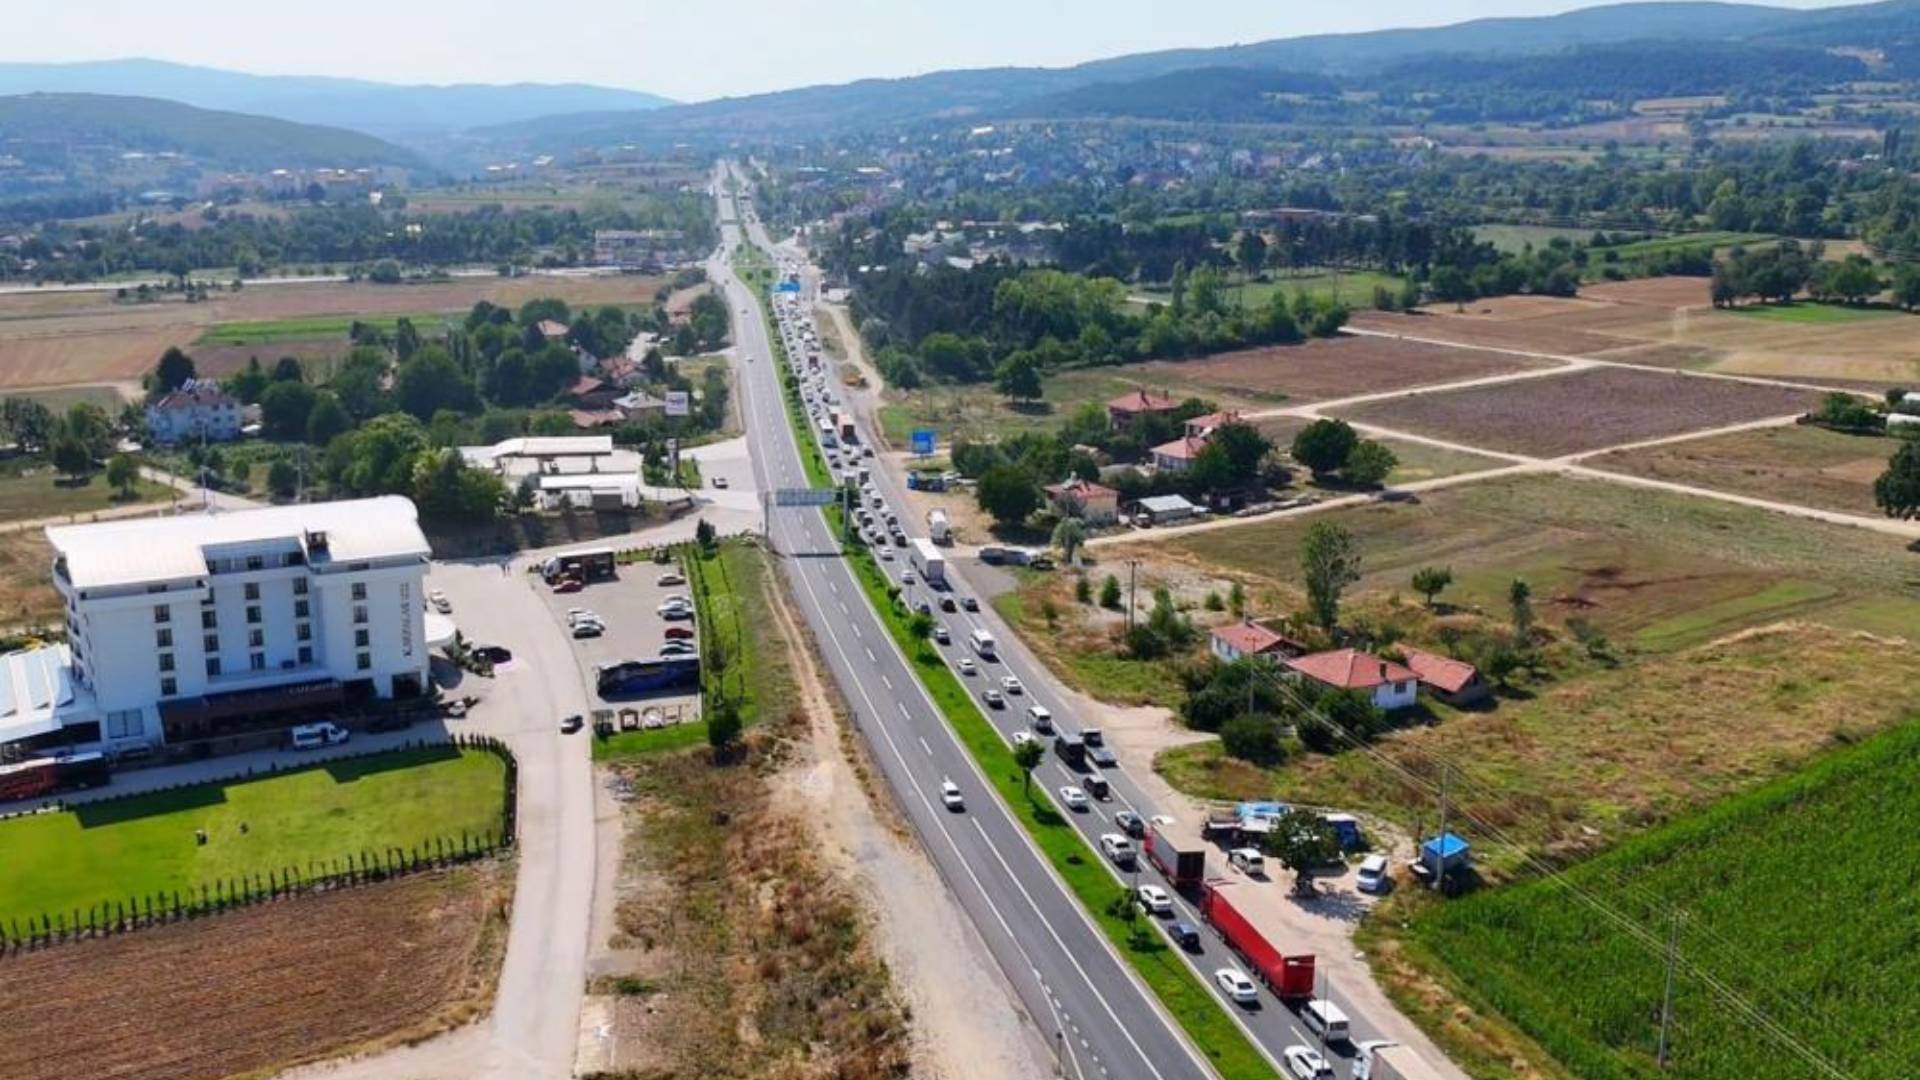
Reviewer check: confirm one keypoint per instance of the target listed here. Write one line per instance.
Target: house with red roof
(1178, 455)
(1389, 685)
(1095, 504)
(590, 393)
(1237, 641)
(1124, 410)
(1203, 427)
(1455, 682)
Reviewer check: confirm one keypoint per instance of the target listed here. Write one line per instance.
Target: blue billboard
(923, 441)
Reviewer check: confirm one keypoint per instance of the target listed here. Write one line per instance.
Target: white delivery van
(1249, 861)
(982, 643)
(315, 736)
(1325, 1019)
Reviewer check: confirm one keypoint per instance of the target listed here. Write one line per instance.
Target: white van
(1373, 876)
(1249, 861)
(1040, 718)
(315, 736)
(982, 643)
(1325, 1019)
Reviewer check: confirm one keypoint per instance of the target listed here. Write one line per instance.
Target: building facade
(204, 625)
(199, 409)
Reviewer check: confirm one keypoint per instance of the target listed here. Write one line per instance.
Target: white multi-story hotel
(191, 627)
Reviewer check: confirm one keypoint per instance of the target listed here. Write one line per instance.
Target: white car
(671, 577)
(967, 666)
(678, 598)
(1021, 738)
(1118, 848)
(1305, 1063)
(1236, 985)
(439, 601)
(1073, 798)
(1012, 685)
(1373, 876)
(674, 611)
(906, 577)
(950, 794)
(1155, 899)
(886, 554)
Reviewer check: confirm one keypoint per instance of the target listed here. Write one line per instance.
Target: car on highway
(1155, 899)
(1040, 717)
(993, 699)
(970, 603)
(1073, 798)
(947, 604)
(671, 577)
(1235, 984)
(950, 795)
(940, 635)
(440, 602)
(906, 577)
(1118, 848)
(1305, 1063)
(886, 553)
(1130, 823)
(967, 666)
(1021, 738)
(1184, 934)
(1101, 756)
(720, 481)
(1012, 685)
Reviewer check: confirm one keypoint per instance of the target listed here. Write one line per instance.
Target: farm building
(1455, 682)
(1237, 641)
(1162, 509)
(1095, 504)
(1390, 686)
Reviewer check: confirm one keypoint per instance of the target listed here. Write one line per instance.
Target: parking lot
(632, 629)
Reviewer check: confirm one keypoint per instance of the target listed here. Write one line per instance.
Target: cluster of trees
(74, 442)
(1330, 448)
(347, 235)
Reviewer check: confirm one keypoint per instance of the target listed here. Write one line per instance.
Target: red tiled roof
(1350, 669)
(586, 384)
(1140, 401)
(1443, 673)
(583, 418)
(200, 394)
(1213, 420)
(1181, 449)
(1083, 489)
(1248, 637)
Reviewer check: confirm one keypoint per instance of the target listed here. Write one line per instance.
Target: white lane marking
(872, 659)
(887, 681)
(925, 745)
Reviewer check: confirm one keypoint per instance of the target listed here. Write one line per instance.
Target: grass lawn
(144, 845)
(59, 399)
(1684, 241)
(1353, 287)
(1795, 895)
(28, 492)
(1809, 311)
(1797, 463)
(1416, 460)
(268, 331)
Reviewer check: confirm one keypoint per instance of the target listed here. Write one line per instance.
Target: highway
(1063, 967)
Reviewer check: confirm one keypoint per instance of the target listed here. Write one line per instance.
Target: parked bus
(629, 677)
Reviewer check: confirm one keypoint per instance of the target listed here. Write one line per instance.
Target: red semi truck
(1289, 977)
(1182, 858)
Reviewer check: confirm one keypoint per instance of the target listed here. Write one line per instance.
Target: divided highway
(1062, 965)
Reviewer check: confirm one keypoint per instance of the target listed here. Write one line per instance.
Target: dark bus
(625, 678)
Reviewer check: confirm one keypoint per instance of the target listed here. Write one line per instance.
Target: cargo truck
(1390, 1061)
(1289, 977)
(1183, 859)
(928, 560)
(938, 527)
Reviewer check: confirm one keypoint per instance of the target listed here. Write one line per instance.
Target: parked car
(493, 654)
(1373, 876)
(315, 736)
(572, 724)
(588, 629)
(1073, 798)
(720, 481)
(679, 648)
(1236, 985)
(440, 602)
(671, 577)
(1248, 861)
(567, 585)
(1155, 900)
(678, 633)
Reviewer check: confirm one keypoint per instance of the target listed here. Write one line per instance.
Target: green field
(1808, 311)
(60, 399)
(28, 492)
(1797, 896)
(269, 331)
(145, 845)
(1516, 238)
(1684, 241)
(1353, 287)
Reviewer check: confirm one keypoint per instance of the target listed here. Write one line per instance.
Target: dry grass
(260, 989)
(1802, 464)
(27, 598)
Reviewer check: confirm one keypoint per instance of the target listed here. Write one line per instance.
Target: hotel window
(163, 638)
(253, 614)
(299, 586)
(359, 613)
(363, 661)
(306, 654)
(168, 687)
(257, 661)
(256, 562)
(207, 600)
(213, 667)
(359, 590)
(211, 643)
(162, 613)
(300, 610)
(360, 639)
(256, 638)
(253, 590)
(166, 661)
(209, 620)
(303, 633)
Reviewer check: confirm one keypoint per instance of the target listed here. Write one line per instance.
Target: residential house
(1125, 410)
(1203, 427)
(199, 409)
(588, 392)
(1455, 682)
(638, 405)
(1095, 504)
(1178, 455)
(1389, 685)
(1237, 641)
(553, 331)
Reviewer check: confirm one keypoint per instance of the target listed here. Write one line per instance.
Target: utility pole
(1666, 999)
(1440, 863)
(1133, 566)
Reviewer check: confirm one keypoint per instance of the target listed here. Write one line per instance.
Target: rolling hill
(383, 109)
(30, 123)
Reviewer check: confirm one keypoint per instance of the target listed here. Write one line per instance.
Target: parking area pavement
(628, 609)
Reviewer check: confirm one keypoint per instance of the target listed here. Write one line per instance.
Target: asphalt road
(1271, 1025)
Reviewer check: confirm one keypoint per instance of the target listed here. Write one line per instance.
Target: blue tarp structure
(1260, 809)
(1444, 851)
(1347, 828)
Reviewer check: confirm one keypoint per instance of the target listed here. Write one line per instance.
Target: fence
(139, 912)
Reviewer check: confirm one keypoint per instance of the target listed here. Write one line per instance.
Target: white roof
(590, 482)
(36, 685)
(540, 446)
(169, 548)
(1156, 504)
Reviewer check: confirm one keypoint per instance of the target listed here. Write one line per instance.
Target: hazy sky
(687, 49)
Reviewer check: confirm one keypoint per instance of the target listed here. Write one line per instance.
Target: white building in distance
(199, 626)
(199, 409)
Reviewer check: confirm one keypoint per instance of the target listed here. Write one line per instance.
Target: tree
(174, 369)
(1302, 843)
(1008, 493)
(1254, 739)
(920, 626)
(1082, 589)
(1110, 593)
(1451, 285)
(123, 473)
(1069, 535)
(446, 488)
(431, 381)
(1250, 251)
(69, 455)
(704, 534)
(1323, 446)
(1244, 448)
(723, 728)
(1897, 491)
(1520, 603)
(327, 419)
(1906, 286)
(1237, 599)
(1018, 377)
(288, 369)
(1330, 561)
(285, 409)
(282, 478)
(1369, 464)
(1028, 756)
(1431, 581)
